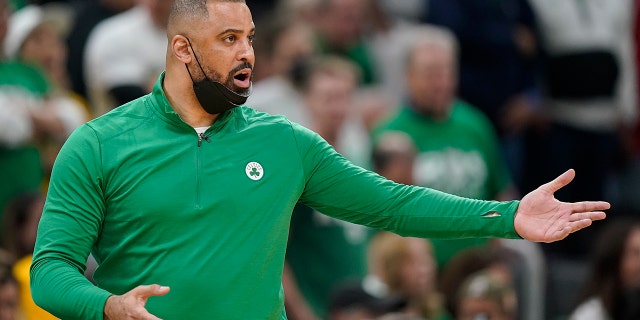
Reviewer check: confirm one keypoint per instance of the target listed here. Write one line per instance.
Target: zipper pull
(202, 136)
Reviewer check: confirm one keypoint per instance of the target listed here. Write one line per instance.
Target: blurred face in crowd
(431, 79)
(630, 265)
(223, 46)
(295, 43)
(44, 47)
(329, 97)
(341, 21)
(418, 271)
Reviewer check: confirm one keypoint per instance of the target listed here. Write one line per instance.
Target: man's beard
(228, 82)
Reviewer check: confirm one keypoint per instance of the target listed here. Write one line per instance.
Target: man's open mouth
(242, 79)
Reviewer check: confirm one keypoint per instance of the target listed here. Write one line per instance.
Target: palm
(542, 218)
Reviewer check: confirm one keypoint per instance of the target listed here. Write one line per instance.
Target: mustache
(244, 65)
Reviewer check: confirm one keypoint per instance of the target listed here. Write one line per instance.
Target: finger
(559, 182)
(587, 206)
(591, 216)
(146, 291)
(579, 225)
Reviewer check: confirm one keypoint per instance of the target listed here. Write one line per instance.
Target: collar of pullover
(166, 111)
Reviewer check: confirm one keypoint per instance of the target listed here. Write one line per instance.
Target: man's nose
(245, 52)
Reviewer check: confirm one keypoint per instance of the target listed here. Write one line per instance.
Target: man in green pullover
(184, 198)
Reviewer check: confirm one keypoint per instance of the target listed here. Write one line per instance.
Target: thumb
(146, 291)
(559, 182)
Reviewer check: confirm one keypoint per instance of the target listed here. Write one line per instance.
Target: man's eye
(252, 38)
(230, 38)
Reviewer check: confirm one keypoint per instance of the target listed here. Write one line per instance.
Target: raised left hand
(542, 218)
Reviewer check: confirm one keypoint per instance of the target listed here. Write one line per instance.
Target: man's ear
(181, 49)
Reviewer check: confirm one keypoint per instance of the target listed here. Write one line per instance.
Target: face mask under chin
(215, 97)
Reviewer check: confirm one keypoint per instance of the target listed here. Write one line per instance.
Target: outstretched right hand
(131, 304)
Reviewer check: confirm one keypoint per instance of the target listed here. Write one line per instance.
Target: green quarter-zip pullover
(209, 215)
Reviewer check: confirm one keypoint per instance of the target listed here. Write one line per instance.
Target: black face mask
(215, 97)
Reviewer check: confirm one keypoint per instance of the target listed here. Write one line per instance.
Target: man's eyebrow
(253, 30)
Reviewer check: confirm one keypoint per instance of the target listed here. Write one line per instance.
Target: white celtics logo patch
(254, 171)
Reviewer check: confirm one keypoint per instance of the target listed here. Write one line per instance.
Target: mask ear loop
(189, 72)
(197, 61)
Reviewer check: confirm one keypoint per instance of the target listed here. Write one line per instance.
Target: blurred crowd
(485, 99)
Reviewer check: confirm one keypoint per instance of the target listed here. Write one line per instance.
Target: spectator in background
(36, 38)
(588, 92)
(458, 149)
(87, 14)
(405, 267)
(324, 251)
(286, 41)
(485, 295)
(282, 50)
(612, 290)
(21, 88)
(329, 92)
(502, 264)
(28, 117)
(125, 54)
(588, 101)
(497, 64)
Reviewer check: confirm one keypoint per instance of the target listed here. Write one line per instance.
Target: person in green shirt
(23, 119)
(458, 150)
(184, 196)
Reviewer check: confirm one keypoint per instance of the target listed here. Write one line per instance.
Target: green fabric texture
(154, 205)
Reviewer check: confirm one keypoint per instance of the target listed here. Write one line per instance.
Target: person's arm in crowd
(345, 191)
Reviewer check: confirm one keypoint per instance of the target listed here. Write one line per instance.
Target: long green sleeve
(70, 227)
(338, 188)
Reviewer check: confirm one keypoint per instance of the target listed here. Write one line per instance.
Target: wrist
(110, 307)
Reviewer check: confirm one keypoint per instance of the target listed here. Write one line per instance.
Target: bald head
(184, 12)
